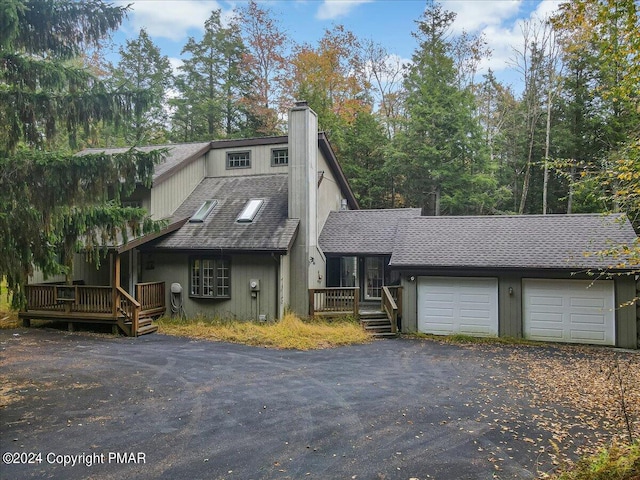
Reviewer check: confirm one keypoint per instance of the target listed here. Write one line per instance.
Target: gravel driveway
(172, 408)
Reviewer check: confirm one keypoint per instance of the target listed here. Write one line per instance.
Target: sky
(388, 22)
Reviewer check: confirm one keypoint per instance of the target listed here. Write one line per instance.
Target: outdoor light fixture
(510, 290)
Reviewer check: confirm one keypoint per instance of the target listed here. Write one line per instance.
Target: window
(203, 211)
(239, 160)
(250, 211)
(279, 156)
(210, 278)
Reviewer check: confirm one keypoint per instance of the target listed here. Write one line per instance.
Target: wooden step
(382, 326)
(384, 334)
(143, 322)
(147, 329)
(375, 321)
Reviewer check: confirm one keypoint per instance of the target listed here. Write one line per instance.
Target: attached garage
(575, 311)
(449, 305)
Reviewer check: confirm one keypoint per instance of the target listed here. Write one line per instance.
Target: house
(243, 220)
(520, 276)
(255, 227)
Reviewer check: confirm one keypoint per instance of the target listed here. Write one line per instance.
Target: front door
(373, 277)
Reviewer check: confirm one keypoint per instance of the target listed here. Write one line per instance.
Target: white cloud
(474, 15)
(546, 9)
(331, 9)
(172, 20)
(176, 63)
(503, 38)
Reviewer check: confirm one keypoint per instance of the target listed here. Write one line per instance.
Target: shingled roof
(527, 241)
(363, 231)
(270, 231)
(178, 154)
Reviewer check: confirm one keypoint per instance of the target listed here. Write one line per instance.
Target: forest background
(431, 132)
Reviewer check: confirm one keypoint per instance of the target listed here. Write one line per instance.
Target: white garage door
(576, 311)
(449, 305)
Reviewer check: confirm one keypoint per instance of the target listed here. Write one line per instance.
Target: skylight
(203, 211)
(250, 211)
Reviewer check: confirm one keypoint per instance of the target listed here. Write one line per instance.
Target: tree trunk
(570, 196)
(545, 183)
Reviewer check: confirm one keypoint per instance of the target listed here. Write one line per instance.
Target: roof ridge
(524, 216)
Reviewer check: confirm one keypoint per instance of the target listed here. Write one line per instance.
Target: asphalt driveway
(172, 408)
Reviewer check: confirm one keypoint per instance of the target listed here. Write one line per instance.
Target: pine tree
(50, 201)
(441, 152)
(211, 84)
(143, 68)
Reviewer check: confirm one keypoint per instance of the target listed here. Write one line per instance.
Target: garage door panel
(547, 301)
(439, 297)
(476, 299)
(449, 305)
(439, 312)
(547, 317)
(581, 319)
(547, 334)
(581, 302)
(474, 329)
(481, 310)
(578, 311)
(580, 336)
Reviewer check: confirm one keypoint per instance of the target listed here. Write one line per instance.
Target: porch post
(133, 272)
(115, 282)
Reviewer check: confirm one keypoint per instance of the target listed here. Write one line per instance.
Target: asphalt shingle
(363, 231)
(176, 154)
(527, 241)
(271, 230)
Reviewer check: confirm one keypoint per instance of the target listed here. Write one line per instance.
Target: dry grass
(618, 462)
(8, 317)
(288, 333)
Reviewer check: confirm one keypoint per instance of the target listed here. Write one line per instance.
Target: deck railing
(69, 298)
(390, 307)
(396, 294)
(101, 304)
(43, 297)
(92, 299)
(151, 296)
(329, 301)
(127, 307)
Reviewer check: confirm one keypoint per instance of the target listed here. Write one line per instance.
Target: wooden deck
(380, 319)
(97, 304)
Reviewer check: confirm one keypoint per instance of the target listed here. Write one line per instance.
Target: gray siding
(169, 195)
(260, 161)
(82, 270)
(626, 325)
(329, 193)
(174, 267)
(627, 319)
(409, 304)
(510, 305)
(38, 277)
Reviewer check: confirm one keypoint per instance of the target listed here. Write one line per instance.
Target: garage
(448, 305)
(574, 311)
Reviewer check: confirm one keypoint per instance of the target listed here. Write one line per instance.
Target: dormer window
(279, 157)
(238, 160)
(250, 211)
(203, 211)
